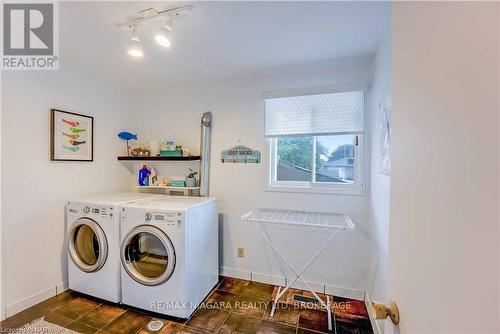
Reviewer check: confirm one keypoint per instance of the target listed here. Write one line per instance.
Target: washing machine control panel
(91, 211)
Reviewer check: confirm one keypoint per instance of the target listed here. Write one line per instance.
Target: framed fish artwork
(71, 136)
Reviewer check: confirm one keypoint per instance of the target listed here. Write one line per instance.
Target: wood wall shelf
(187, 191)
(167, 187)
(183, 158)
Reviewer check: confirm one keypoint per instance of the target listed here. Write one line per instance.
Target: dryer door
(87, 244)
(147, 255)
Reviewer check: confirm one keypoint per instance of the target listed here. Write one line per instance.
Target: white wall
(443, 251)
(238, 109)
(2, 281)
(35, 190)
(379, 183)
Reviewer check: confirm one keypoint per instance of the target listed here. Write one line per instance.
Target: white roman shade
(320, 114)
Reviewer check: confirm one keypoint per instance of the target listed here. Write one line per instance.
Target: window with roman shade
(322, 114)
(316, 141)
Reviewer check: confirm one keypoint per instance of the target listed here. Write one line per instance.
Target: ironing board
(324, 221)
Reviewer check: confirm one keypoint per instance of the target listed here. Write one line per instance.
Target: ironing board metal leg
(298, 274)
(275, 302)
(329, 313)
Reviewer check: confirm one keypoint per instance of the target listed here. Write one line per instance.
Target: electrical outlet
(241, 252)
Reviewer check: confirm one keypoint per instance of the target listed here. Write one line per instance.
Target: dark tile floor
(234, 306)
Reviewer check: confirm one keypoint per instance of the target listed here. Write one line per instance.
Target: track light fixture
(163, 36)
(135, 47)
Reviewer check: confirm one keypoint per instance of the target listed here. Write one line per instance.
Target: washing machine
(93, 234)
(169, 253)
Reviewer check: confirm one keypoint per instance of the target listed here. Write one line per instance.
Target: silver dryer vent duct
(205, 142)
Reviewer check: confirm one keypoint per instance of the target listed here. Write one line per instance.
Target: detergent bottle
(152, 176)
(144, 176)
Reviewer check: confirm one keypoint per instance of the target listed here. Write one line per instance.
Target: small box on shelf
(178, 183)
(171, 153)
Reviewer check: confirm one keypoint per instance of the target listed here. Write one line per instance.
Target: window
(316, 142)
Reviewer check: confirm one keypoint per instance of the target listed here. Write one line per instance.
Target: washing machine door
(87, 244)
(147, 255)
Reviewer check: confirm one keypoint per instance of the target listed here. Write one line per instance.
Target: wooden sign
(240, 154)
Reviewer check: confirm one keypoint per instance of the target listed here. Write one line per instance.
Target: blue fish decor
(127, 136)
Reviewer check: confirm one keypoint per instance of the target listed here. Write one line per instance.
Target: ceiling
(217, 39)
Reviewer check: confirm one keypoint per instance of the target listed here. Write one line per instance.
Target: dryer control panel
(173, 219)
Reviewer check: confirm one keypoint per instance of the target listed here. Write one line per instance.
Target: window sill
(316, 190)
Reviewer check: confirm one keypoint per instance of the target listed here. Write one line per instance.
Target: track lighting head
(135, 47)
(162, 37)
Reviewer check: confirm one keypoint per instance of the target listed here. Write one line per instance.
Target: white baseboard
(269, 279)
(345, 292)
(230, 272)
(61, 287)
(34, 299)
(281, 280)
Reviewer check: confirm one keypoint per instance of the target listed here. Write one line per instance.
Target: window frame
(313, 186)
(358, 187)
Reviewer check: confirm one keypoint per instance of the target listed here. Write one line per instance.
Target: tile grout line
(98, 329)
(297, 327)
(75, 320)
(124, 311)
(223, 321)
(81, 316)
(195, 328)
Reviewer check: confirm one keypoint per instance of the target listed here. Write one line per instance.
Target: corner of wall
(379, 199)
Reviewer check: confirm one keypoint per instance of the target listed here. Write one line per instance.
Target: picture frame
(71, 136)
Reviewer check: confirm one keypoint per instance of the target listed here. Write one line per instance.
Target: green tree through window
(298, 151)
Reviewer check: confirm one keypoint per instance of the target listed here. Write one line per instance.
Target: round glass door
(148, 255)
(88, 247)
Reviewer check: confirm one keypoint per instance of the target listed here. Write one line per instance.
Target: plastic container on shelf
(144, 176)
